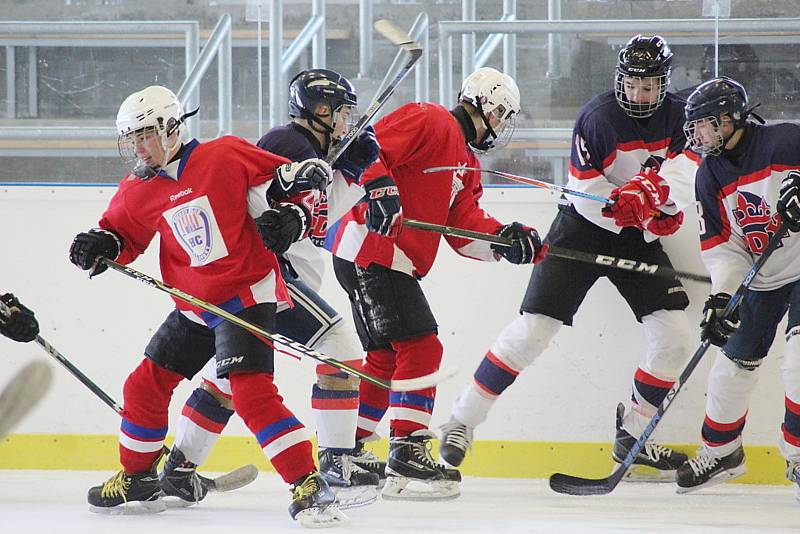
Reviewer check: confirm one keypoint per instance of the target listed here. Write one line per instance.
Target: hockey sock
(412, 410)
(146, 395)
(729, 389)
(374, 401)
(648, 392)
(334, 403)
(280, 434)
(201, 422)
(791, 383)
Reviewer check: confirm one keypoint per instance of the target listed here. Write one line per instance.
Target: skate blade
(327, 517)
(131, 508)
(172, 502)
(407, 489)
(355, 496)
(716, 480)
(644, 473)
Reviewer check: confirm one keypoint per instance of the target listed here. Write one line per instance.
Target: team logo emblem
(754, 217)
(458, 181)
(192, 227)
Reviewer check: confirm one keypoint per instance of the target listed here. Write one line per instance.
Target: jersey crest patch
(458, 182)
(756, 220)
(196, 230)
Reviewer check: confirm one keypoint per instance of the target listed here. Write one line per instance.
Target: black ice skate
(456, 440)
(313, 503)
(180, 479)
(411, 473)
(706, 470)
(367, 461)
(663, 459)
(793, 474)
(137, 493)
(353, 485)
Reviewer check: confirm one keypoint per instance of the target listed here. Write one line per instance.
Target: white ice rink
(54, 502)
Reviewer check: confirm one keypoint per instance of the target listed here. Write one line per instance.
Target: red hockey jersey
(210, 246)
(413, 138)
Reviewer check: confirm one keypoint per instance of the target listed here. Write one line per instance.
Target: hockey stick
(524, 180)
(408, 384)
(573, 485)
(229, 481)
(566, 253)
(401, 39)
(22, 393)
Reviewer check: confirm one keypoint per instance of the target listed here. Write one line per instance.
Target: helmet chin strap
(146, 172)
(482, 143)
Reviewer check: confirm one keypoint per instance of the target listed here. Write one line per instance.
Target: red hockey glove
(526, 246)
(635, 201)
(663, 225)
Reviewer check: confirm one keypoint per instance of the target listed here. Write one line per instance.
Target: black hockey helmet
(643, 57)
(705, 108)
(313, 87)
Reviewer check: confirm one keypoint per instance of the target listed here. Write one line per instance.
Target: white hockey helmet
(154, 110)
(495, 94)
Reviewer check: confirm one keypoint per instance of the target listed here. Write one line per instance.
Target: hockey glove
(789, 201)
(663, 225)
(715, 328)
(20, 325)
(361, 153)
(88, 247)
(526, 246)
(635, 201)
(298, 177)
(282, 226)
(384, 212)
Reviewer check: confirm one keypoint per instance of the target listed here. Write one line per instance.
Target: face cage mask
(127, 151)
(712, 128)
(495, 138)
(632, 109)
(346, 116)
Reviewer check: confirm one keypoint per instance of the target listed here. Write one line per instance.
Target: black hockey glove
(20, 325)
(789, 201)
(282, 226)
(715, 328)
(361, 153)
(298, 177)
(526, 246)
(88, 247)
(384, 212)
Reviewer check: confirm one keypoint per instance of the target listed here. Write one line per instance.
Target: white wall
(102, 326)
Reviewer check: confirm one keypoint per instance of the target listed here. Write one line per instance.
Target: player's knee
(524, 339)
(425, 351)
(668, 336)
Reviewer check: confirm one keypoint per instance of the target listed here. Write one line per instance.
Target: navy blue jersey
(609, 148)
(736, 200)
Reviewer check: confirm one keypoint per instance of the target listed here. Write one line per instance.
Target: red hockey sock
(146, 397)
(281, 436)
(373, 400)
(415, 357)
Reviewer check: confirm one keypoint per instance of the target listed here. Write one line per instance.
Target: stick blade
(24, 391)
(422, 382)
(570, 485)
(397, 36)
(238, 478)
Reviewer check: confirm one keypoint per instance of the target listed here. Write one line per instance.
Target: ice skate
(123, 493)
(654, 463)
(706, 469)
(793, 474)
(353, 485)
(413, 475)
(313, 503)
(179, 481)
(456, 440)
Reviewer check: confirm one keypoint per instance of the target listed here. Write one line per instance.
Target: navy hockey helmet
(713, 102)
(641, 59)
(313, 87)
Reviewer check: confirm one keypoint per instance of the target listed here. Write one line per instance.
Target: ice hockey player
(21, 324)
(380, 267)
(747, 185)
(200, 198)
(322, 105)
(627, 144)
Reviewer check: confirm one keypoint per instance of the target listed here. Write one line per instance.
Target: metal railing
(470, 59)
(698, 28)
